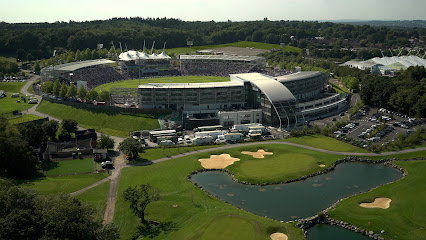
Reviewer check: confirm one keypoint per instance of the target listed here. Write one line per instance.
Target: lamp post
(283, 46)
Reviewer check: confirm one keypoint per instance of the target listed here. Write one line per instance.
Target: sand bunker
(382, 203)
(322, 165)
(218, 161)
(278, 236)
(259, 154)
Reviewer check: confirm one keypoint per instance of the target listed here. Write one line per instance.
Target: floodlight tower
(309, 56)
(283, 46)
(190, 43)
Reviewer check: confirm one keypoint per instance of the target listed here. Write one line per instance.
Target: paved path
(89, 187)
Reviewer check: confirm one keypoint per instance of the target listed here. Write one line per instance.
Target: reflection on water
(298, 199)
(329, 232)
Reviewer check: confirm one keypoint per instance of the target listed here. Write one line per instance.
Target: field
(134, 83)
(243, 44)
(64, 184)
(96, 198)
(9, 104)
(327, 143)
(192, 210)
(405, 219)
(11, 87)
(108, 122)
(71, 166)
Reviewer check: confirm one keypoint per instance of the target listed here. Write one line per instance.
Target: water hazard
(329, 232)
(300, 199)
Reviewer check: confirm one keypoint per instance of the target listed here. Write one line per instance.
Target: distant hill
(399, 24)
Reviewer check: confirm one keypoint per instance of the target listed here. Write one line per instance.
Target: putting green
(242, 228)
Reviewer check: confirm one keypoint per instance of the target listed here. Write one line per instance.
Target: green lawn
(64, 184)
(96, 198)
(157, 153)
(327, 143)
(401, 155)
(405, 219)
(9, 104)
(134, 83)
(242, 44)
(194, 212)
(109, 122)
(339, 89)
(71, 166)
(22, 118)
(287, 162)
(11, 87)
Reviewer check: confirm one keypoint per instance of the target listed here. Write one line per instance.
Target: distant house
(100, 154)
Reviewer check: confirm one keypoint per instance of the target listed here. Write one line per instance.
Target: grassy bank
(108, 122)
(11, 87)
(22, 118)
(96, 198)
(71, 166)
(405, 218)
(9, 104)
(134, 83)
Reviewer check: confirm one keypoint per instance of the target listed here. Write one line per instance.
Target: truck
(213, 134)
(202, 140)
(231, 137)
(245, 127)
(258, 129)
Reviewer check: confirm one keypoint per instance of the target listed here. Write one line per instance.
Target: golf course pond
(300, 199)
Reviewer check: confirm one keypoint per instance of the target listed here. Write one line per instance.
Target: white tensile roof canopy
(136, 55)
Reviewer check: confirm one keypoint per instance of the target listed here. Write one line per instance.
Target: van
(33, 101)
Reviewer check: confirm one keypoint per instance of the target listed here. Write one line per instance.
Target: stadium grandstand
(387, 65)
(91, 73)
(140, 64)
(220, 65)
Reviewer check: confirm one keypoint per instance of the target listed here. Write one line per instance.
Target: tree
(47, 87)
(50, 128)
(33, 134)
(64, 90)
(131, 147)
(82, 92)
(139, 198)
(37, 68)
(72, 91)
(106, 142)
(26, 215)
(56, 88)
(17, 159)
(92, 95)
(103, 96)
(69, 126)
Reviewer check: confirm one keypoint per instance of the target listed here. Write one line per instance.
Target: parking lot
(367, 121)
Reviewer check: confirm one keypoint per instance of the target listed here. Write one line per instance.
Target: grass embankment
(242, 44)
(9, 104)
(22, 118)
(108, 122)
(195, 213)
(405, 218)
(327, 143)
(339, 89)
(11, 87)
(64, 184)
(72, 166)
(134, 83)
(96, 198)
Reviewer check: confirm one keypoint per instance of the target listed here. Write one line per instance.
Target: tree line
(37, 40)
(64, 91)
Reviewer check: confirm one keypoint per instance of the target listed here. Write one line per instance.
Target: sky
(17, 11)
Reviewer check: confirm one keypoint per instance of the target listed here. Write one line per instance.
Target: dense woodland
(37, 40)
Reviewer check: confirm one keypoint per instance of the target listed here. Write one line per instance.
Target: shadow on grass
(151, 230)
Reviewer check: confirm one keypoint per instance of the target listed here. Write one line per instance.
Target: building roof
(192, 85)
(274, 90)
(299, 76)
(136, 55)
(70, 67)
(221, 58)
(404, 61)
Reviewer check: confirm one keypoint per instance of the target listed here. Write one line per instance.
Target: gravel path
(112, 193)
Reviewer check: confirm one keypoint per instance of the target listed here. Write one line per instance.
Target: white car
(187, 139)
(180, 141)
(107, 164)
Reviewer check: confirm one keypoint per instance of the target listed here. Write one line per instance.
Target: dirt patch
(259, 154)
(278, 236)
(218, 161)
(382, 203)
